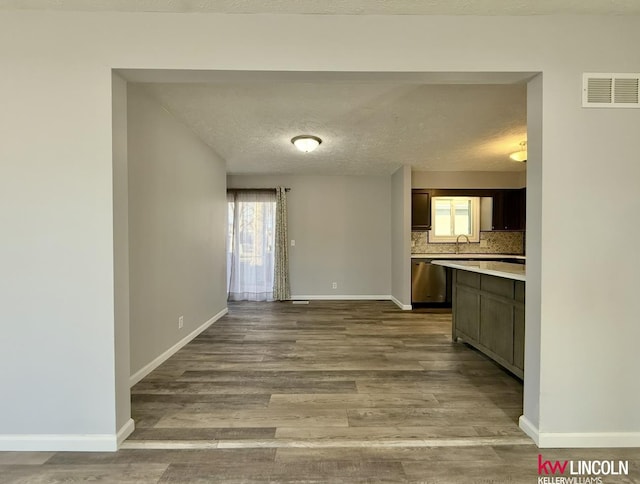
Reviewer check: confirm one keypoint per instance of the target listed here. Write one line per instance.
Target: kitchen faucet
(458, 242)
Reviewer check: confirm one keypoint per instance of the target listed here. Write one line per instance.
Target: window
(454, 216)
(250, 245)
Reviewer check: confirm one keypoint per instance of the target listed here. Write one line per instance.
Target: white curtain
(251, 245)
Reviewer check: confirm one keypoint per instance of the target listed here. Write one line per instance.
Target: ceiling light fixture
(306, 142)
(520, 155)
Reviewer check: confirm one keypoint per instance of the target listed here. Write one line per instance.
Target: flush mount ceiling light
(520, 155)
(306, 142)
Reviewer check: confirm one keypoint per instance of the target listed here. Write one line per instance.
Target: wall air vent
(610, 90)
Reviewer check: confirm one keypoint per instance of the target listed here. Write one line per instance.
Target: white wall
(468, 179)
(401, 236)
(121, 252)
(341, 225)
(56, 192)
(531, 418)
(177, 226)
(589, 297)
(57, 267)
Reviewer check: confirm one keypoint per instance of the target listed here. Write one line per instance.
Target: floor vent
(606, 90)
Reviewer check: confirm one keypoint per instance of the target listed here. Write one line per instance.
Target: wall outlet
(484, 243)
(180, 322)
(334, 285)
(293, 243)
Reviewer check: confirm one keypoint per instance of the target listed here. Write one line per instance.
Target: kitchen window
(452, 217)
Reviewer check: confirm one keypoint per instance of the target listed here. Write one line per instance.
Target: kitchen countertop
(468, 256)
(492, 268)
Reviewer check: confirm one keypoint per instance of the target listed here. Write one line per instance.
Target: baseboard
(404, 307)
(355, 297)
(528, 428)
(148, 368)
(67, 442)
(551, 440)
(343, 297)
(125, 431)
(564, 440)
(59, 442)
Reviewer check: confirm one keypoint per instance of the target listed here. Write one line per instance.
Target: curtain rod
(255, 189)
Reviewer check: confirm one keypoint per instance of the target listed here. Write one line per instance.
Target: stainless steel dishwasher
(429, 283)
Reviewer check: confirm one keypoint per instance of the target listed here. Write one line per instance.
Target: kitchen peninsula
(488, 309)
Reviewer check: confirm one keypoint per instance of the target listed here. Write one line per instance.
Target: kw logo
(549, 467)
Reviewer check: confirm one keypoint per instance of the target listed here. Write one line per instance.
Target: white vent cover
(606, 90)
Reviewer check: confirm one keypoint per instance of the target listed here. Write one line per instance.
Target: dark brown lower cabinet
(488, 314)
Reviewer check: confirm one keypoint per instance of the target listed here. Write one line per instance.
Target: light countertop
(468, 256)
(492, 268)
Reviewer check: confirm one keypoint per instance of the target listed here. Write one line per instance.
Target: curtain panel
(281, 285)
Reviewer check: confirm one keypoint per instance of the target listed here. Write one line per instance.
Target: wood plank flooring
(326, 370)
(326, 392)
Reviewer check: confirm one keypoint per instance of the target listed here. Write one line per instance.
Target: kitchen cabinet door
(509, 210)
(496, 327)
(420, 209)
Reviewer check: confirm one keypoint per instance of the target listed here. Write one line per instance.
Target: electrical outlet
(484, 243)
(293, 243)
(180, 322)
(334, 285)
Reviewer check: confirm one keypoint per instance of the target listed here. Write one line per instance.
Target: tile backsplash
(497, 243)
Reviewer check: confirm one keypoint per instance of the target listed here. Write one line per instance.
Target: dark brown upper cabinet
(420, 209)
(510, 209)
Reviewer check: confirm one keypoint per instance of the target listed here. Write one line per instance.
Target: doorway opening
(125, 324)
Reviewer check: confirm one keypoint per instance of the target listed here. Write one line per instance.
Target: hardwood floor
(326, 392)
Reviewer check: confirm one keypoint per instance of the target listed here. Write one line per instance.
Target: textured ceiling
(348, 7)
(366, 128)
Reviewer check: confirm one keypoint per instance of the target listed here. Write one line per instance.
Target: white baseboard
(66, 442)
(528, 428)
(356, 297)
(59, 442)
(343, 297)
(404, 307)
(588, 440)
(564, 440)
(148, 368)
(125, 431)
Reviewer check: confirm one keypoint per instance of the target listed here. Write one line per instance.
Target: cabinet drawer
(469, 279)
(498, 286)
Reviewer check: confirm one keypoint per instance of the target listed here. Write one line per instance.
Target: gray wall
(56, 193)
(401, 236)
(177, 225)
(341, 225)
(121, 251)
